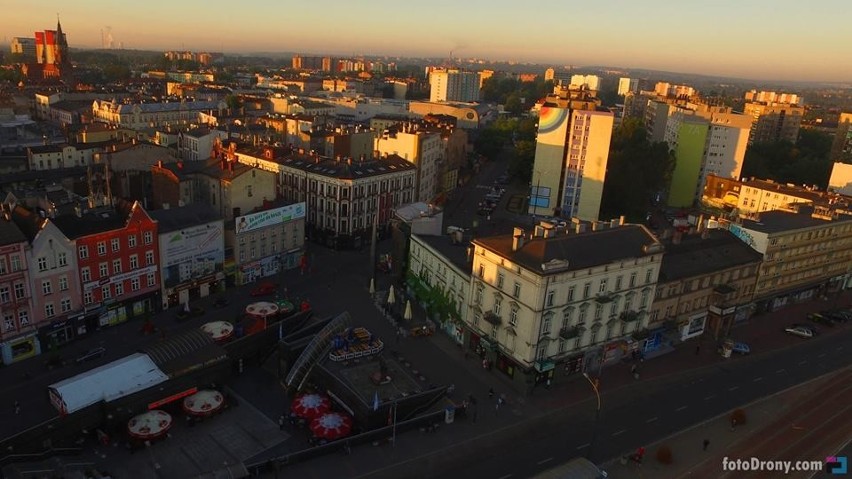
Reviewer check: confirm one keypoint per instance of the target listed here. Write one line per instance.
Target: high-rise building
(453, 85)
(571, 153)
(776, 116)
(592, 82)
(627, 85)
(25, 47)
(841, 150)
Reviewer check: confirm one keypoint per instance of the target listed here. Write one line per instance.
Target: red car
(264, 289)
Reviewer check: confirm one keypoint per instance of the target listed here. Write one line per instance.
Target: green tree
(233, 102)
(807, 162)
(513, 104)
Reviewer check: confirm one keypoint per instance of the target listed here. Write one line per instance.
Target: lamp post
(597, 415)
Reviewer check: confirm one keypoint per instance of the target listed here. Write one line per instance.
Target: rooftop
(777, 221)
(10, 233)
(575, 251)
(348, 169)
(456, 253)
(696, 255)
(94, 221)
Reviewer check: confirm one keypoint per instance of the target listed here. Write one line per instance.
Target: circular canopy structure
(331, 426)
(262, 309)
(204, 402)
(285, 306)
(218, 330)
(149, 425)
(310, 406)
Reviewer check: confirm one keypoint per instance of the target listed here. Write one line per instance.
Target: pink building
(18, 331)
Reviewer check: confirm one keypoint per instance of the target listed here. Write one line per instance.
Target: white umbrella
(391, 296)
(372, 286)
(407, 315)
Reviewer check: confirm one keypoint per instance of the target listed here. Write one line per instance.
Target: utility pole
(373, 241)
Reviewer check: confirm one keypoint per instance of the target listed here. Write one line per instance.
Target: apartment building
(775, 116)
(758, 196)
(53, 157)
(422, 148)
(841, 148)
(138, 116)
(18, 334)
(453, 85)
(807, 251)
(628, 85)
(589, 82)
(572, 149)
(575, 295)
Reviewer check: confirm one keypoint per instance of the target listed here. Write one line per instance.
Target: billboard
(271, 217)
(192, 253)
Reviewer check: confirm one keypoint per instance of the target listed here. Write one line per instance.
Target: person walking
(697, 349)
(281, 422)
(706, 444)
(491, 392)
(17, 407)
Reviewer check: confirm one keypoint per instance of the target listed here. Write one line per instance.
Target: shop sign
(172, 398)
(271, 217)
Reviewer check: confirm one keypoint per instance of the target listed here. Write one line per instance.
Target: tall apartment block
(776, 116)
(628, 85)
(453, 85)
(841, 149)
(571, 153)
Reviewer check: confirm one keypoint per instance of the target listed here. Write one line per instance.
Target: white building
(143, 115)
(52, 157)
(453, 85)
(197, 143)
(628, 85)
(591, 82)
(424, 149)
(841, 179)
(564, 294)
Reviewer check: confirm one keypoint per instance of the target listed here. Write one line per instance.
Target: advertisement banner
(271, 217)
(192, 253)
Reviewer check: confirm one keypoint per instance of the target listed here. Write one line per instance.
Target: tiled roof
(342, 169)
(777, 221)
(696, 255)
(579, 250)
(92, 222)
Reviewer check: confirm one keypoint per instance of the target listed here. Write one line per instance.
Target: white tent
(109, 382)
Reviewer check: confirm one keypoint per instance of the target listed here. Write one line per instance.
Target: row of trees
(515, 95)
(515, 133)
(807, 162)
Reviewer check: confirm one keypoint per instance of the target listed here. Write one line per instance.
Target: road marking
(544, 461)
(802, 363)
(619, 432)
(780, 371)
(652, 419)
(733, 388)
(757, 379)
(583, 446)
(680, 408)
(710, 397)
(821, 355)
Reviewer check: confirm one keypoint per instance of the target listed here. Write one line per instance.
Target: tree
(233, 102)
(807, 162)
(513, 104)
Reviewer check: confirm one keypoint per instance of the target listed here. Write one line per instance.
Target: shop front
(454, 330)
(250, 272)
(57, 333)
(192, 290)
(573, 364)
(507, 365)
(694, 326)
(20, 348)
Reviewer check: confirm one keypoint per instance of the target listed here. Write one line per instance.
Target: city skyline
(739, 40)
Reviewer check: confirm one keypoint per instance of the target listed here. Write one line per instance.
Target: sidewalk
(773, 431)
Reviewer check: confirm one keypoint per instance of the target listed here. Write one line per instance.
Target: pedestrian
(706, 443)
(281, 422)
(733, 424)
(697, 349)
(491, 392)
(497, 407)
(17, 407)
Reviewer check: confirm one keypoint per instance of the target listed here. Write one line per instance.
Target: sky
(756, 39)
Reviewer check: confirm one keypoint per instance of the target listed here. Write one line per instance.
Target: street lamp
(597, 414)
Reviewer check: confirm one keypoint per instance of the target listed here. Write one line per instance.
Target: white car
(800, 332)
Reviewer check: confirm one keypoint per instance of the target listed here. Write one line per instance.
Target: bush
(664, 455)
(738, 417)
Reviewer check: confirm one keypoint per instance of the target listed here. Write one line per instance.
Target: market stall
(331, 426)
(149, 425)
(220, 331)
(204, 403)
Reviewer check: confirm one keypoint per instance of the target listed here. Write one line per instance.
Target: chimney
(517, 239)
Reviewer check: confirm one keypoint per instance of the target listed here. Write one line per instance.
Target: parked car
(800, 332)
(819, 318)
(741, 348)
(810, 327)
(264, 289)
(91, 354)
(837, 315)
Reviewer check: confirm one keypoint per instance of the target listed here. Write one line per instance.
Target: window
(648, 276)
(618, 283)
(549, 298)
(88, 298)
(477, 298)
(116, 266)
(84, 252)
(602, 288)
(134, 284)
(149, 258)
(148, 237)
(498, 305)
(513, 315)
(103, 270)
(545, 328)
(645, 295)
(582, 318)
(481, 271)
(571, 294)
(3, 269)
(151, 279)
(65, 305)
(115, 244)
(106, 292)
(134, 261)
(86, 274)
(16, 263)
(5, 294)
(48, 310)
(516, 291)
(119, 288)
(62, 259)
(542, 352)
(24, 317)
(633, 279)
(8, 322)
(20, 292)
(42, 264)
(586, 289)
(131, 241)
(500, 279)
(46, 287)
(101, 248)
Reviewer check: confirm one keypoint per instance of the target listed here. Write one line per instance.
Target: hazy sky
(761, 39)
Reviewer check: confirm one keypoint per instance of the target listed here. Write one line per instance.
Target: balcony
(629, 316)
(569, 332)
(604, 298)
(492, 318)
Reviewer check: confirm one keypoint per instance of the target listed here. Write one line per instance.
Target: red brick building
(117, 256)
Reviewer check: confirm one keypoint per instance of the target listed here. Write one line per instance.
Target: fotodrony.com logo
(837, 465)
